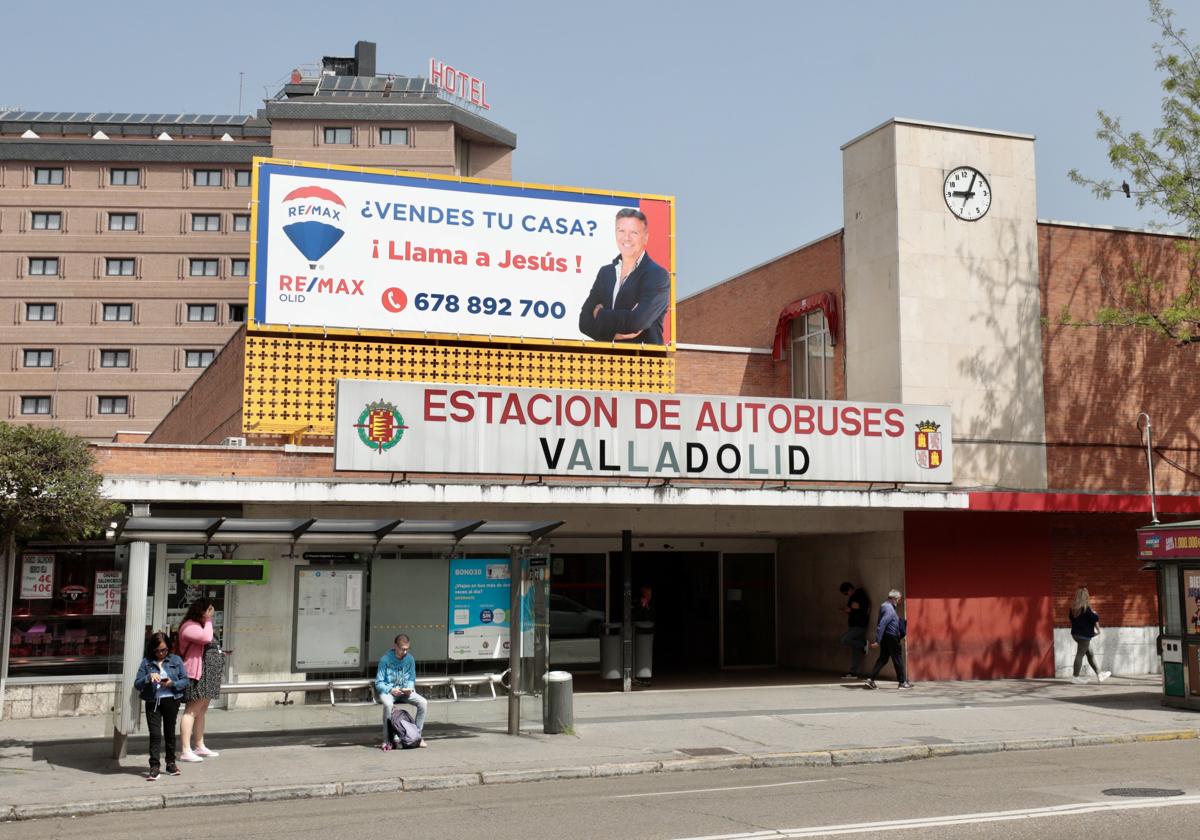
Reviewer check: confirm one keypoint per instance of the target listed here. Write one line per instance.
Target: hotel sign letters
(526, 431)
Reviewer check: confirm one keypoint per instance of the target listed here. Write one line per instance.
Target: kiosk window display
(68, 611)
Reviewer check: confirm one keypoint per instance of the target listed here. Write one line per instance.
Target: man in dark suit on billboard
(632, 293)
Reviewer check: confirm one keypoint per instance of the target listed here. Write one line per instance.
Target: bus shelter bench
(451, 683)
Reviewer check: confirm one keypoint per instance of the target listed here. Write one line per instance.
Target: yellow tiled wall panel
(290, 383)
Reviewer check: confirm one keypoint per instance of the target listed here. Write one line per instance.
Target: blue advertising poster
(478, 624)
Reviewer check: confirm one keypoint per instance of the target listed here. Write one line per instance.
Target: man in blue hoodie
(888, 637)
(396, 680)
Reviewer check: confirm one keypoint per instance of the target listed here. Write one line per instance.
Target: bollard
(643, 650)
(610, 651)
(558, 713)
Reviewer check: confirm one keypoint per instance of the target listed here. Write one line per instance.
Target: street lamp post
(57, 368)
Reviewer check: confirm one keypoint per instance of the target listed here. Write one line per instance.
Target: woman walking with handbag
(204, 664)
(1085, 626)
(161, 681)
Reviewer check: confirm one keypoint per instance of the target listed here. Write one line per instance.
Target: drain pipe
(1149, 462)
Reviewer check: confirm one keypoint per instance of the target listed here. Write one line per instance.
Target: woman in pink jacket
(203, 662)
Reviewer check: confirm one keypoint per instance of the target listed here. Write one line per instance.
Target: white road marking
(961, 819)
(722, 789)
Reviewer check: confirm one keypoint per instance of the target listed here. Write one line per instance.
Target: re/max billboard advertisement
(346, 248)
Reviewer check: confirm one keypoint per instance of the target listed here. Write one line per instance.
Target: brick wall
(1097, 379)
(743, 310)
(745, 374)
(757, 296)
(1100, 552)
(212, 409)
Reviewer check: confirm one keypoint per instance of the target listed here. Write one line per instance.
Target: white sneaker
(1079, 680)
(189, 756)
(1105, 675)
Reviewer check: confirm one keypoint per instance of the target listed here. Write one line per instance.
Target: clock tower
(941, 282)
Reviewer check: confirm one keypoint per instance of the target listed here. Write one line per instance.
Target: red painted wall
(979, 595)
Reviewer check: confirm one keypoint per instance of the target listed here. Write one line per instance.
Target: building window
(118, 266)
(118, 312)
(43, 266)
(393, 137)
(812, 355)
(462, 157)
(114, 358)
(40, 357)
(122, 221)
(35, 405)
(113, 405)
(241, 177)
(47, 175)
(241, 222)
(339, 136)
(206, 177)
(237, 313)
(202, 268)
(202, 312)
(47, 221)
(239, 267)
(41, 312)
(198, 358)
(124, 177)
(206, 222)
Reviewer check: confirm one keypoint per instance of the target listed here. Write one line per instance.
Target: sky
(736, 109)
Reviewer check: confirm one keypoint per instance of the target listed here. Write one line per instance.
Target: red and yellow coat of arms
(929, 445)
(380, 426)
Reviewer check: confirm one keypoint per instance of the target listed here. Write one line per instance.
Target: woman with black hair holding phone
(161, 682)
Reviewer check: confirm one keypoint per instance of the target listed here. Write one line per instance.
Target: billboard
(346, 248)
(447, 428)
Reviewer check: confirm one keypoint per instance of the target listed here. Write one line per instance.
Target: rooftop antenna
(241, 85)
(1149, 462)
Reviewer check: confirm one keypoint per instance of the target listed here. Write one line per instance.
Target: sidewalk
(60, 767)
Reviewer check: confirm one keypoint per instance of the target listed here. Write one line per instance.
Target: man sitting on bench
(396, 680)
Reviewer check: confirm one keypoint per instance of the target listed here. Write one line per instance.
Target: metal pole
(627, 611)
(126, 706)
(1149, 464)
(8, 571)
(515, 628)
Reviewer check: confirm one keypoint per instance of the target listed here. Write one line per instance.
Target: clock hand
(970, 186)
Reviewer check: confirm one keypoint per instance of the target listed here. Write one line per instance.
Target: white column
(127, 708)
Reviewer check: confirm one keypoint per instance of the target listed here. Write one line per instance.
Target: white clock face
(968, 193)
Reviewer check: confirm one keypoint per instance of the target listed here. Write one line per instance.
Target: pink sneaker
(206, 752)
(190, 757)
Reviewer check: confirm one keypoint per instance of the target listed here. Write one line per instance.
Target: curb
(818, 758)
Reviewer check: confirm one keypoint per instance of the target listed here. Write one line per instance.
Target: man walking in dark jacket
(887, 638)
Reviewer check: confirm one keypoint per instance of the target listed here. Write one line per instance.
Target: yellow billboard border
(257, 327)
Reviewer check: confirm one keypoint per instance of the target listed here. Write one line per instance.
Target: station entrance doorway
(712, 610)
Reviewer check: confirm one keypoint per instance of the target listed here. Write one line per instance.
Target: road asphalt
(64, 766)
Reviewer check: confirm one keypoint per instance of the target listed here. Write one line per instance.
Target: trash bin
(643, 650)
(558, 713)
(610, 651)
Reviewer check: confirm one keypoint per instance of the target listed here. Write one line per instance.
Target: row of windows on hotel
(116, 358)
(41, 404)
(118, 312)
(121, 221)
(55, 176)
(127, 267)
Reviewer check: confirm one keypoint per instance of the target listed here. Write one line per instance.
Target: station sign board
(389, 253)
(448, 428)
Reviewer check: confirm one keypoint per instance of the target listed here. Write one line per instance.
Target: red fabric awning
(825, 301)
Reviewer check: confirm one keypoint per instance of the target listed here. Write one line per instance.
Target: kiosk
(1173, 552)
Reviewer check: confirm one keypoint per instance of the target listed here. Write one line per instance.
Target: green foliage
(49, 486)
(1161, 172)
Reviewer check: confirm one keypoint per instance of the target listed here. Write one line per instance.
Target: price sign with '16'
(37, 576)
(107, 593)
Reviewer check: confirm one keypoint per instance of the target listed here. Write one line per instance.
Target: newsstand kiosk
(1173, 551)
